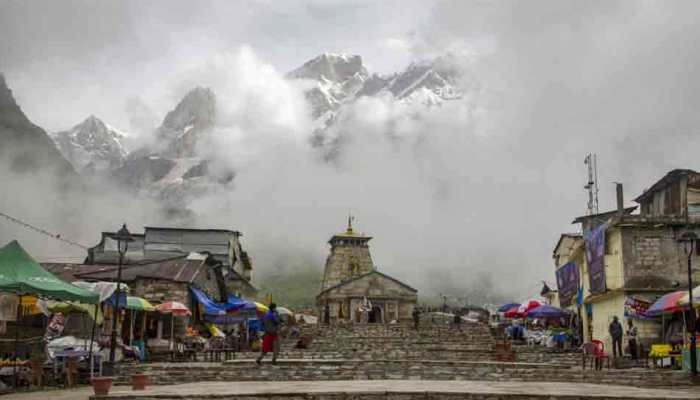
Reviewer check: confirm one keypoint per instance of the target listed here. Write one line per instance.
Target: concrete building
(642, 258)
(350, 278)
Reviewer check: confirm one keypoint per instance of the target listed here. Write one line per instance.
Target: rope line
(56, 236)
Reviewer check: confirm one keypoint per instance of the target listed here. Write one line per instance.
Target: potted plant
(139, 381)
(101, 385)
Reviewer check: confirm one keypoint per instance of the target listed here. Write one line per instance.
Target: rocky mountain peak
(197, 108)
(181, 128)
(92, 145)
(24, 146)
(331, 67)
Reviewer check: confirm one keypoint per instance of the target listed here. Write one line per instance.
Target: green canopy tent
(22, 275)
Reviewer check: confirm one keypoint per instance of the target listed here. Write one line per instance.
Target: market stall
(22, 276)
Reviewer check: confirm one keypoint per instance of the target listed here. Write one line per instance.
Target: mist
(468, 194)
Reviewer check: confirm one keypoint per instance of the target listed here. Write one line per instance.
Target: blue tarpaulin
(235, 309)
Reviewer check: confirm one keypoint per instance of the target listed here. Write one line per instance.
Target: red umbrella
(175, 308)
(512, 312)
(527, 306)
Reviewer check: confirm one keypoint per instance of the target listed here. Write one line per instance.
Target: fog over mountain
(455, 131)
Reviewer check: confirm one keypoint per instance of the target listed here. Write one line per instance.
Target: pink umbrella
(173, 308)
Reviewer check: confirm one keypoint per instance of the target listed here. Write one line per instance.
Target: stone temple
(350, 280)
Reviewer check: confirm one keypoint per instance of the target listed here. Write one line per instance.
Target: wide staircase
(469, 352)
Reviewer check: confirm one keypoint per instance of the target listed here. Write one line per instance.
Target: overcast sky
(487, 183)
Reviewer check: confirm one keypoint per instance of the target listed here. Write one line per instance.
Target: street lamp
(688, 239)
(123, 237)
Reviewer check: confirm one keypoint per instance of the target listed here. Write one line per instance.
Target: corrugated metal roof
(178, 269)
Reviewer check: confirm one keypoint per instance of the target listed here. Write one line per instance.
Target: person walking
(416, 318)
(271, 341)
(632, 339)
(615, 330)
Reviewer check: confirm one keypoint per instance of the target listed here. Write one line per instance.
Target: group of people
(617, 332)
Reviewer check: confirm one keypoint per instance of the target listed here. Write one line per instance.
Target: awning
(66, 307)
(20, 274)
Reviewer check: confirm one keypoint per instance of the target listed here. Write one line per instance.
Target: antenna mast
(591, 186)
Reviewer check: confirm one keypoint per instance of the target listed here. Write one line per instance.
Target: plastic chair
(595, 351)
(599, 352)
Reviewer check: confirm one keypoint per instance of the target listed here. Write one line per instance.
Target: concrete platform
(396, 389)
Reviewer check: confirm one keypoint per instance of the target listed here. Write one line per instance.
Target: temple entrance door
(375, 316)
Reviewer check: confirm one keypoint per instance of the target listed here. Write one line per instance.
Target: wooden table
(215, 354)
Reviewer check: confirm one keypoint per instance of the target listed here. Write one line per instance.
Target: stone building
(161, 244)
(642, 257)
(351, 279)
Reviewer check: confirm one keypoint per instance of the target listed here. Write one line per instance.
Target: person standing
(271, 341)
(416, 318)
(327, 314)
(632, 339)
(615, 330)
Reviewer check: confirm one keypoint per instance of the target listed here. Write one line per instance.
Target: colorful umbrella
(546, 311)
(527, 306)
(685, 300)
(175, 308)
(138, 304)
(507, 307)
(512, 313)
(668, 303)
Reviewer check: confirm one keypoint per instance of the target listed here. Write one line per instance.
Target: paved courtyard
(352, 389)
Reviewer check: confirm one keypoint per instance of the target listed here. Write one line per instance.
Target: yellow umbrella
(261, 307)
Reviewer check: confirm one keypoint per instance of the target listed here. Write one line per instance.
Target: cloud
(484, 183)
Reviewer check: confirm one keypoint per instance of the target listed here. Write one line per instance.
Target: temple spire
(350, 219)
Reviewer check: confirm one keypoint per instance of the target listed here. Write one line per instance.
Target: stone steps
(339, 369)
(566, 359)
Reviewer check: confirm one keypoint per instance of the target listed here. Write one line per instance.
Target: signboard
(637, 307)
(567, 283)
(595, 258)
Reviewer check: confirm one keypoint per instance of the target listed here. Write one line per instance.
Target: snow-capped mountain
(336, 78)
(340, 79)
(92, 145)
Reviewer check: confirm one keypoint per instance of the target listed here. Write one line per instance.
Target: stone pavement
(391, 389)
(344, 389)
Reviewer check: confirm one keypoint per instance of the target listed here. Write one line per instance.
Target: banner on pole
(595, 258)
(567, 283)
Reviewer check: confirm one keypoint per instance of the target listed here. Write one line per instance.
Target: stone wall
(159, 291)
(653, 258)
